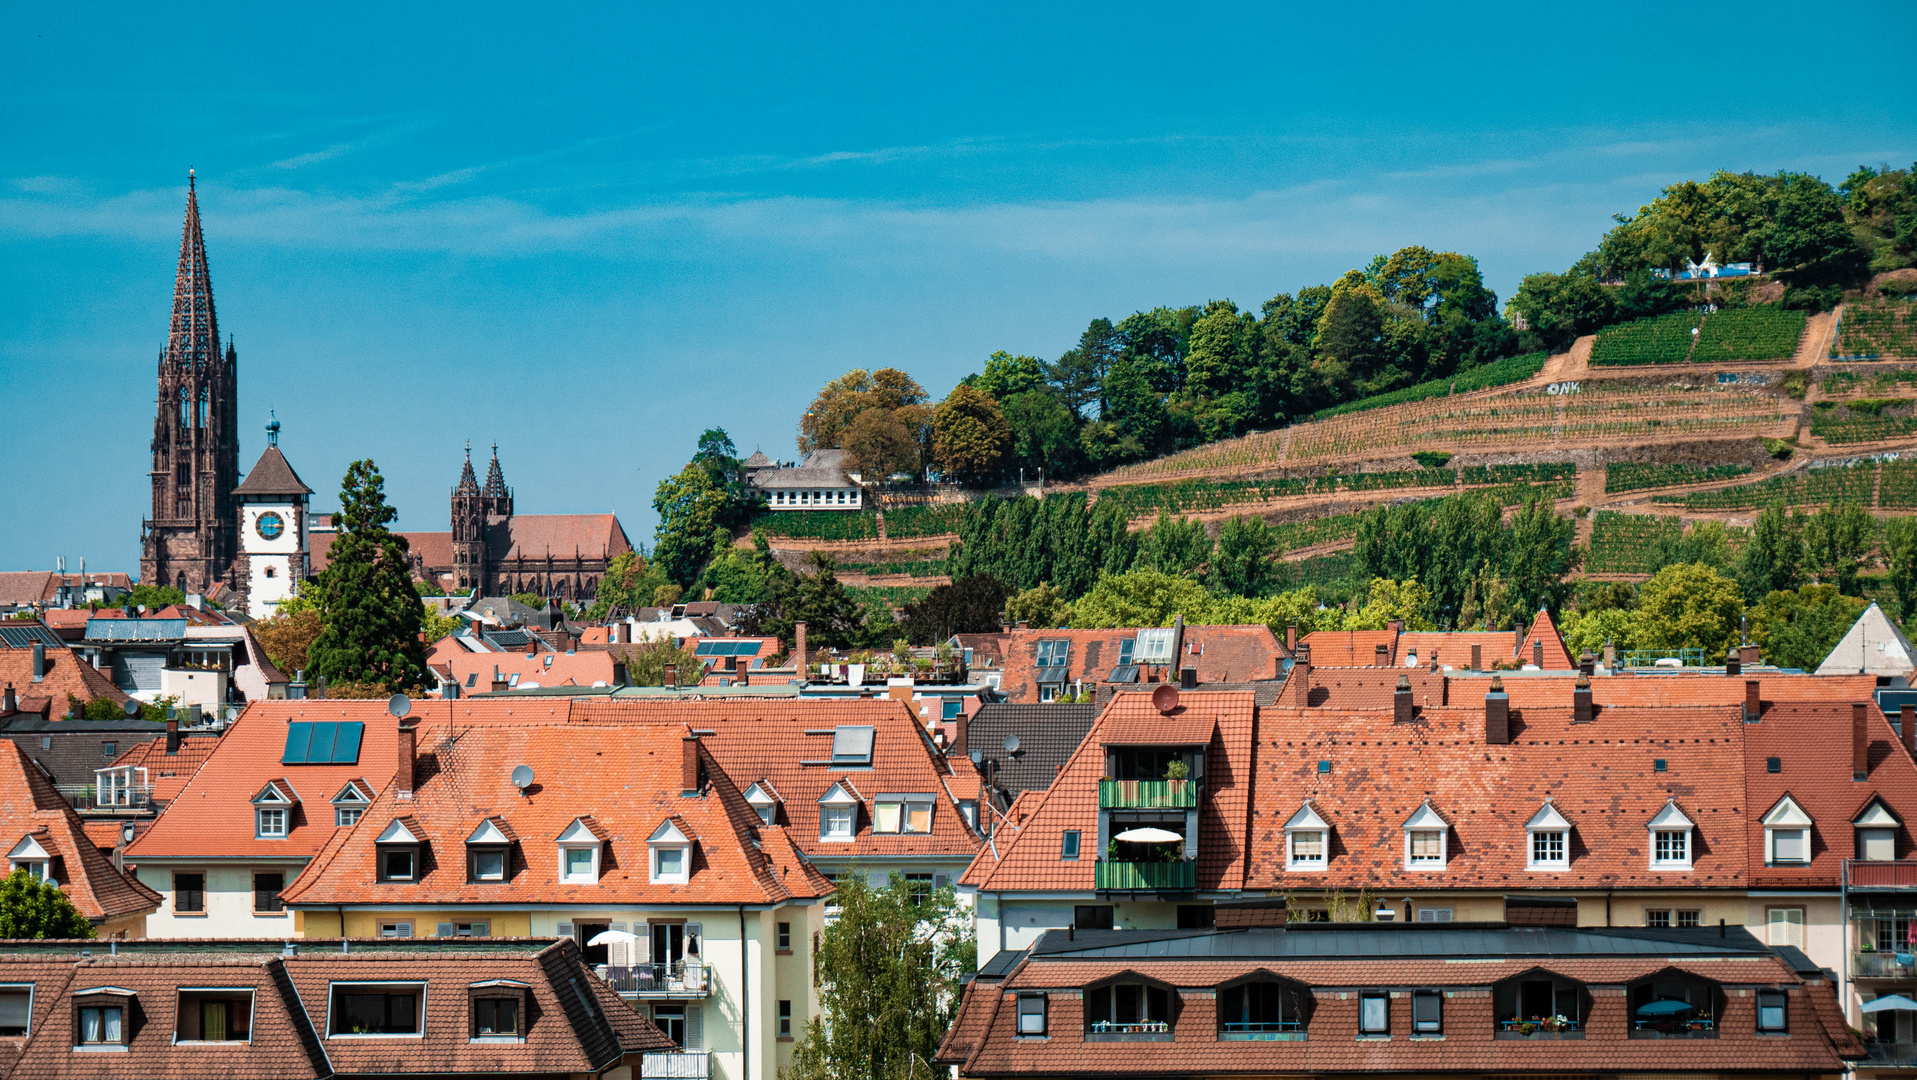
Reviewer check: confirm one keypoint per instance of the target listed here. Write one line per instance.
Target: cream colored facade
(228, 899)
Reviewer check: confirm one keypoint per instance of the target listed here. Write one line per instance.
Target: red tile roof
(474, 671)
(1352, 648)
(29, 806)
(464, 777)
(65, 674)
(169, 773)
(535, 536)
(1812, 745)
(1221, 654)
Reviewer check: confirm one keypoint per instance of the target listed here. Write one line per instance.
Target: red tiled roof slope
(29, 806)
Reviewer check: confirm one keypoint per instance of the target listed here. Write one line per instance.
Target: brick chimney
(1859, 741)
(1610, 656)
(1401, 701)
(959, 734)
(172, 736)
(1581, 699)
(1753, 704)
(671, 676)
(1291, 637)
(1299, 684)
(39, 660)
(798, 646)
(1477, 658)
(1381, 657)
(10, 703)
(1497, 714)
(1396, 626)
(403, 764)
(1748, 655)
(1907, 721)
(689, 765)
(500, 682)
(1586, 663)
(1537, 653)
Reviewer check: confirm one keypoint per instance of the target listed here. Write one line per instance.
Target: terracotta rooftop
(30, 809)
(65, 674)
(1219, 653)
(169, 773)
(474, 671)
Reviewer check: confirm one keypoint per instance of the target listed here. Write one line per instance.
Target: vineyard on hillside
(1766, 332)
(1661, 339)
(1879, 327)
(1816, 487)
(1862, 420)
(1501, 373)
(1622, 543)
(1629, 476)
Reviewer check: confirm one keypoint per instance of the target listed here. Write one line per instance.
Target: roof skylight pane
(321, 750)
(852, 745)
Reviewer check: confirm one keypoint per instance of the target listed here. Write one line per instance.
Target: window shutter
(446, 929)
(695, 1028)
(1426, 1012)
(940, 881)
(565, 929)
(616, 951)
(13, 1008)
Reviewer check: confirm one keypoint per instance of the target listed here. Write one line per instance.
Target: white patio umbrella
(1148, 836)
(1896, 1002)
(612, 937)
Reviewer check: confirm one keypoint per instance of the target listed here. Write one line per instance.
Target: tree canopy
(35, 909)
(371, 617)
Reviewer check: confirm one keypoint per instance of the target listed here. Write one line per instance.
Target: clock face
(270, 525)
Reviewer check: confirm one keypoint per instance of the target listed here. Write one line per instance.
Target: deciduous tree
(970, 438)
(33, 909)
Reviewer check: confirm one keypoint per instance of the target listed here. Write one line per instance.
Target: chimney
(500, 682)
(1907, 721)
(39, 660)
(1747, 655)
(403, 766)
(1497, 714)
(1401, 701)
(618, 673)
(1178, 637)
(1610, 656)
(1381, 656)
(1477, 657)
(1585, 663)
(1537, 653)
(172, 736)
(1187, 678)
(1397, 626)
(689, 765)
(798, 646)
(1859, 741)
(1299, 684)
(672, 676)
(959, 725)
(1581, 699)
(1291, 637)
(1732, 665)
(1753, 704)
(11, 703)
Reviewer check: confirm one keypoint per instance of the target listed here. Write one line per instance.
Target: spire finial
(469, 450)
(189, 179)
(272, 428)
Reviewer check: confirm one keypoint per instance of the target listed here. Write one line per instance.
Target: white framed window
(30, 856)
(398, 852)
(1425, 840)
(1306, 840)
(671, 851)
(578, 853)
(1784, 926)
(1374, 1014)
(1031, 1014)
(270, 823)
(1877, 829)
(1787, 834)
(838, 814)
(1549, 840)
(347, 816)
(487, 850)
(1670, 838)
(763, 802)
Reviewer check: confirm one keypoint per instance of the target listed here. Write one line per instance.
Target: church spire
(468, 483)
(194, 340)
(495, 480)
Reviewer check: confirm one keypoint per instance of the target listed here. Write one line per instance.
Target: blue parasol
(1664, 1007)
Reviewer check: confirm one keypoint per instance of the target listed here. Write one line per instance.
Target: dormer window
(1877, 828)
(579, 853)
(852, 745)
(838, 814)
(498, 1010)
(31, 856)
(1426, 837)
(671, 853)
(1671, 839)
(273, 810)
(1306, 840)
(100, 1017)
(488, 850)
(1787, 833)
(764, 802)
(398, 852)
(902, 814)
(350, 804)
(1548, 837)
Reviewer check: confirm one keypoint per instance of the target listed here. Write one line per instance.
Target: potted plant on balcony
(1528, 1027)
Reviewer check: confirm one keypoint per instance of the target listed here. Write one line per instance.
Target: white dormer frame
(1307, 826)
(667, 846)
(578, 837)
(350, 800)
(1672, 843)
(1547, 840)
(1880, 821)
(36, 860)
(1787, 822)
(273, 812)
(762, 802)
(838, 815)
(1417, 829)
(488, 838)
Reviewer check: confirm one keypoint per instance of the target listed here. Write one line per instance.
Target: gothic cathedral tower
(190, 541)
(472, 509)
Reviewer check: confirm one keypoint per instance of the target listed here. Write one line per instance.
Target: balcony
(1539, 1030)
(104, 799)
(1179, 876)
(1702, 1027)
(1147, 794)
(679, 979)
(1880, 873)
(1891, 1055)
(1273, 1031)
(1882, 965)
(1133, 1031)
(675, 1065)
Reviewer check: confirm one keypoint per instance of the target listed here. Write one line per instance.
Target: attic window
(100, 1018)
(852, 745)
(1305, 840)
(902, 814)
(214, 1015)
(838, 814)
(1549, 836)
(1153, 647)
(1787, 830)
(578, 853)
(671, 855)
(1670, 839)
(348, 806)
(29, 856)
(762, 803)
(487, 852)
(1425, 840)
(398, 848)
(1877, 830)
(1773, 765)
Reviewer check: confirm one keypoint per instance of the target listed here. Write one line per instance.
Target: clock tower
(275, 537)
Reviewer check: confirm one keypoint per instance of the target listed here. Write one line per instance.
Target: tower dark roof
(468, 483)
(495, 480)
(194, 340)
(272, 475)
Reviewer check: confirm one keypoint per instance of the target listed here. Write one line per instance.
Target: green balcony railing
(1147, 794)
(1163, 876)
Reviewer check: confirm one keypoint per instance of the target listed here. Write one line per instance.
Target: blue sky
(590, 233)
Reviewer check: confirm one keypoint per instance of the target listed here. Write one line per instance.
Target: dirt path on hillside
(1814, 346)
(1569, 366)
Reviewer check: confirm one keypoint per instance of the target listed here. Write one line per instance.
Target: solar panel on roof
(321, 748)
(711, 648)
(346, 745)
(299, 735)
(327, 742)
(852, 745)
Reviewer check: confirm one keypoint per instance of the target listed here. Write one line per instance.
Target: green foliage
(1242, 564)
(1764, 332)
(1689, 606)
(1813, 486)
(819, 524)
(1138, 598)
(1432, 459)
(1593, 630)
(435, 626)
(1773, 558)
(690, 506)
(969, 605)
(1798, 628)
(970, 438)
(1836, 542)
(907, 567)
(31, 910)
(531, 600)
(939, 519)
(1900, 555)
(1665, 339)
(646, 663)
(1623, 543)
(1174, 546)
(1449, 544)
(371, 616)
(153, 597)
(1631, 476)
(629, 583)
(1387, 601)
(1040, 607)
(843, 399)
(1707, 543)
(1057, 539)
(833, 617)
(889, 967)
(1501, 373)
(1877, 327)
(288, 637)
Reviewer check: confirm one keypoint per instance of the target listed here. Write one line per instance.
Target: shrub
(1622, 543)
(1500, 373)
(1432, 459)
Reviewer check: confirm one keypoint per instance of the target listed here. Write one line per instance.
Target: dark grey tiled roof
(1047, 736)
(1399, 940)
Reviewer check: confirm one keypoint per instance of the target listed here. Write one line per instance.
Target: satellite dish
(1011, 744)
(132, 709)
(1165, 698)
(522, 777)
(399, 705)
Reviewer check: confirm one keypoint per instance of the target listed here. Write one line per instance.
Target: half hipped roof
(1872, 646)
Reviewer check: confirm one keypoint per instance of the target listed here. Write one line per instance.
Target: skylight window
(852, 746)
(1153, 646)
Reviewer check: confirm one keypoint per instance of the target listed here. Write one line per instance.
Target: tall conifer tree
(372, 615)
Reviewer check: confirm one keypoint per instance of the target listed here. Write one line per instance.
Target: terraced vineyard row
(1879, 327)
(1897, 490)
(1630, 476)
(1765, 332)
(1815, 487)
(1622, 543)
(1501, 373)
(1661, 339)
(1293, 535)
